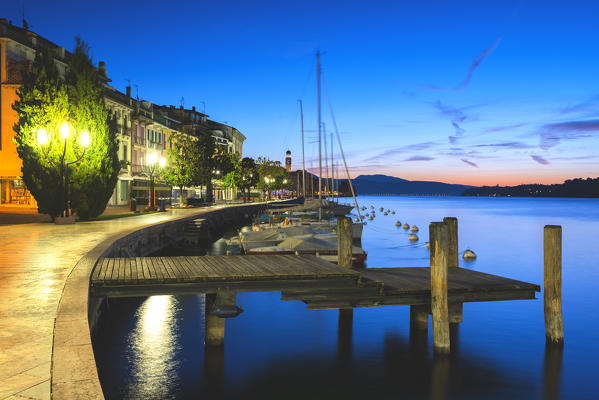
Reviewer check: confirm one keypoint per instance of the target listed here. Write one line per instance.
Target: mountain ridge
(385, 184)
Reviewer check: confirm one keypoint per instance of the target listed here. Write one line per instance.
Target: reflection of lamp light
(84, 139)
(42, 136)
(64, 130)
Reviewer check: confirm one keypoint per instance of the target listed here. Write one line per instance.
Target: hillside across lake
(390, 185)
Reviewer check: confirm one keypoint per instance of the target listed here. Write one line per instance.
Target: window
(124, 152)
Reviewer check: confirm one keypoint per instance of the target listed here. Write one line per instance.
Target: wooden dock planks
(318, 283)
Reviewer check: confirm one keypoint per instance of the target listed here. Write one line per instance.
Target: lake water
(152, 348)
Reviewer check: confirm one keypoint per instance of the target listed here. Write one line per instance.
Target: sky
(471, 92)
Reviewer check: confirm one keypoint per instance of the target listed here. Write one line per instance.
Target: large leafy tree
(95, 177)
(45, 103)
(272, 175)
(181, 162)
(42, 104)
(244, 176)
(205, 163)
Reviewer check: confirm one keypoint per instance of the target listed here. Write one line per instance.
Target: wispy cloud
(507, 145)
(503, 128)
(552, 134)
(470, 163)
(474, 65)
(419, 158)
(589, 104)
(539, 159)
(402, 150)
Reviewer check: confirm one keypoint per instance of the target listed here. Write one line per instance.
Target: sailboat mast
(332, 169)
(319, 146)
(303, 157)
(326, 164)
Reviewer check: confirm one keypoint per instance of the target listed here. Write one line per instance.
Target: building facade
(143, 129)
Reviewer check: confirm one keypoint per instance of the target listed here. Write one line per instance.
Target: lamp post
(153, 165)
(217, 173)
(42, 139)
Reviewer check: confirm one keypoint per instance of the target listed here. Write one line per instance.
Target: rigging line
(351, 186)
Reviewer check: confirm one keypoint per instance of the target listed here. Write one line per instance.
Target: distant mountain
(383, 184)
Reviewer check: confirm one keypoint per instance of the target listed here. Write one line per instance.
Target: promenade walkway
(35, 261)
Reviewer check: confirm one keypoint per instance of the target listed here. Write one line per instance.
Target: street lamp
(153, 166)
(42, 140)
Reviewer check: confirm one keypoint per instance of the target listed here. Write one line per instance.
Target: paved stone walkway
(35, 260)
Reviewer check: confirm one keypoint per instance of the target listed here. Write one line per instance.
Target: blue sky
(476, 92)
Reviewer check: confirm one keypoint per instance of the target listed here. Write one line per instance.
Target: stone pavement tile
(17, 383)
(77, 361)
(41, 371)
(80, 390)
(37, 392)
(78, 333)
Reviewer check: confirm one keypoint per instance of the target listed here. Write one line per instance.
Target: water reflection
(552, 371)
(153, 343)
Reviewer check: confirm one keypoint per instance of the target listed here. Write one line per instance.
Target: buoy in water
(469, 255)
(371, 218)
(428, 245)
(413, 237)
(384, 213)
(406, 226)
(414, 228)
(397, 223)
(381, 209)
(372, 207)
(356, 220)
(392, 212)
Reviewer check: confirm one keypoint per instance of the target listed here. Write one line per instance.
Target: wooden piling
(439, 243)
(552, 246)
(214, 326)
(453, 259)
(418, 318)
(344, 242)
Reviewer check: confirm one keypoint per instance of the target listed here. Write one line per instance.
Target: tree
(272, 175)
(47, 102)
(96, 176)
(181, 162)
(204, 165)
(249, 174)
(42, 104)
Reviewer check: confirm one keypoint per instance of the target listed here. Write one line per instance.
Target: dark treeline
(578, 187)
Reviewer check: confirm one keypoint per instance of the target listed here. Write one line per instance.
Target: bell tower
(288, 160)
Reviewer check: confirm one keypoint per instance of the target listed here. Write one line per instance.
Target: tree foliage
(45, 102)
(272, 176)
(180, 161)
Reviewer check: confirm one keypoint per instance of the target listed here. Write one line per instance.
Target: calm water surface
(152, 348)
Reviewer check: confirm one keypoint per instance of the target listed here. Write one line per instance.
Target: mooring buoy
(469, 255)
(414, 228)
(413, 237)
(406, 226)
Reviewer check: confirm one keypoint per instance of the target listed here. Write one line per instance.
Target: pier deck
(318, 283)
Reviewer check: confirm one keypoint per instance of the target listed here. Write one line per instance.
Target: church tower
(288, 160)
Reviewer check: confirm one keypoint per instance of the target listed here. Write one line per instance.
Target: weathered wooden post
(418, 318)
(439, 244)
(214, 326)
(453, 259)
(344, 242)
(552, 246)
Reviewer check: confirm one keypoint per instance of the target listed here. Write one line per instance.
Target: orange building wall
(10, 163)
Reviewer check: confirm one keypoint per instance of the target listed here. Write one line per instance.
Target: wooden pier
(316, 282)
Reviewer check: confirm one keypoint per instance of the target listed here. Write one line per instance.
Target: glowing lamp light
(84, 139)
(162, 162)
(152, 159)
(42, 136)
(64, 130)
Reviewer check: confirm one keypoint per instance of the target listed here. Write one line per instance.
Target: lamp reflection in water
(153, 344)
